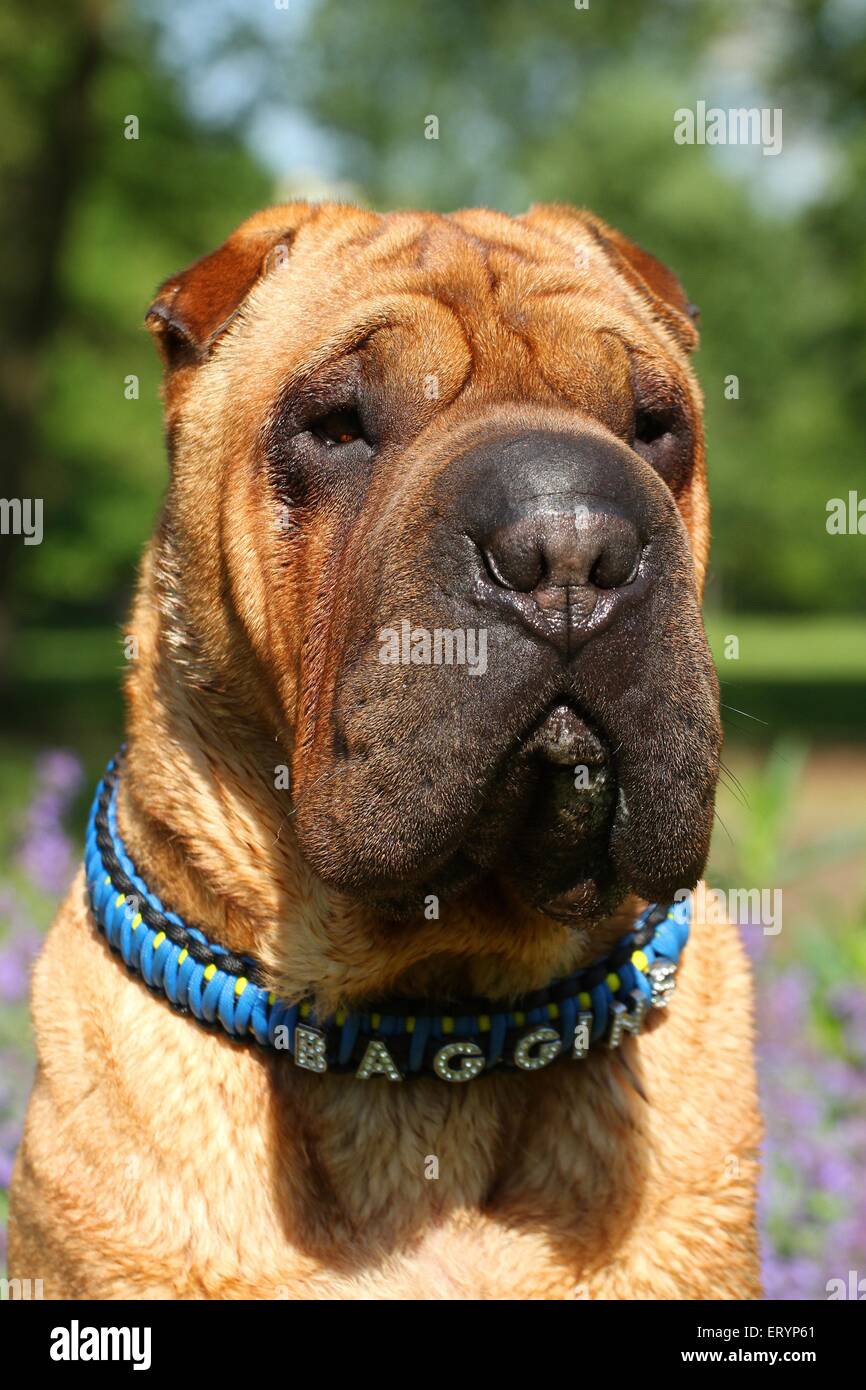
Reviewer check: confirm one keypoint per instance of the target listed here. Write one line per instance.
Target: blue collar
(454, 1041)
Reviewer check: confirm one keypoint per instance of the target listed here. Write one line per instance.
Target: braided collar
(454, 1041)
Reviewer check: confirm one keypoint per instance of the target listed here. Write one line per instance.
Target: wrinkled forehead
(424, 297)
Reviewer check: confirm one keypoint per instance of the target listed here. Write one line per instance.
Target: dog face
(438, 524)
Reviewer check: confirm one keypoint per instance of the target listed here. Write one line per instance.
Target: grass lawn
(789, 649)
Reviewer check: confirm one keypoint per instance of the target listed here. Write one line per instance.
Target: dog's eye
(338, 427)
(651, 425)
(662, 437)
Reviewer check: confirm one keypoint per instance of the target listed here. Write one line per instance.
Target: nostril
(492, 568)
(513, 567)
(616, 567)
(613, 547)
(599, 575)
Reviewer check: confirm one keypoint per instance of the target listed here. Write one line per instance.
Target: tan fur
(160, 1160)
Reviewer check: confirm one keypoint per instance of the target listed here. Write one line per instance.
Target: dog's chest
(496, 1196)
(227, 1175)
(466, 1258)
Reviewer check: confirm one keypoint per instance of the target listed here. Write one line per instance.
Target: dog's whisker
(744, 712)
(734, 778)
(724, 827)
(735, 791)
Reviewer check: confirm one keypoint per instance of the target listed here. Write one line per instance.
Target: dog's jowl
(421, 752)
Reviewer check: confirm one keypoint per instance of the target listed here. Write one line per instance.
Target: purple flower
(60, 771)
(848, 1003)
(46, 854)
(813, 1093)
(755, 941)
(17, 954)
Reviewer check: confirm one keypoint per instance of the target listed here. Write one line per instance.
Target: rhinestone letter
(472, 1064)
(377, 1060)
(551, 1045)
(624, 1022)
(310, 1049)
(663, 979)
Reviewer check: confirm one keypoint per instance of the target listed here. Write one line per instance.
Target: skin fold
(466, 422)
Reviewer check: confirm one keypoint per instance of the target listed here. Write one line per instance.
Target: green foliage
(142, 209)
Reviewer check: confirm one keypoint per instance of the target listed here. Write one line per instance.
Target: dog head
(438, 525)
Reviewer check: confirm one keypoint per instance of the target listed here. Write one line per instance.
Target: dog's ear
(657, 286)
(193, 309)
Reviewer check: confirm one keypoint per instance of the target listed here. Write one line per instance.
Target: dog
(398, 443)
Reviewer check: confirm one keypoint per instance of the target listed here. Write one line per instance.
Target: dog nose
(545, 554)
(561, 522)
(570, 570)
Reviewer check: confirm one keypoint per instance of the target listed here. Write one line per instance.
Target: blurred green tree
(94, 221)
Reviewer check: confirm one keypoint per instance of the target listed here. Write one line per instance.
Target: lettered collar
(398, 1039)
